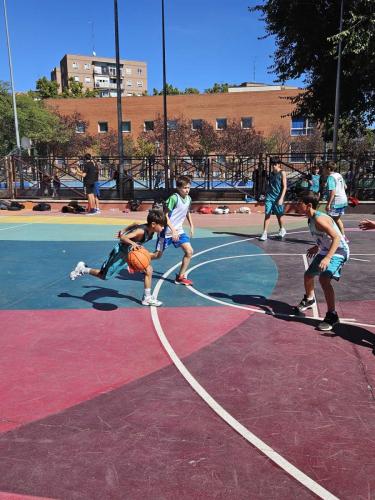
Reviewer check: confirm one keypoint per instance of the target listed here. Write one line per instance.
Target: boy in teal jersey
(178, 209)
(314, 180)
(274, 202)
(130, 238)
(329, 255)
(337, 200)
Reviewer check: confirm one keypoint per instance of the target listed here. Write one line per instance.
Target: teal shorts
(116, 261)
(272, 207)
(333, 270)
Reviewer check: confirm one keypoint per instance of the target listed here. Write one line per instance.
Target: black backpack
(42, 207)
(134, 205)
(15, 205)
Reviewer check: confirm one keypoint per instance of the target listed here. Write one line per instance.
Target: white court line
(315, 305)
(16, 227)
(362, 260)
(218, 409)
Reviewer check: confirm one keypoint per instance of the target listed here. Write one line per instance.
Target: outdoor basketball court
(221, 393)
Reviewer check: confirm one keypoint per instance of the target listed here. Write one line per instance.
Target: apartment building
(100, 73)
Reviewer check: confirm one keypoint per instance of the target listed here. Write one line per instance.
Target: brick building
(262, 110)
(100, 73)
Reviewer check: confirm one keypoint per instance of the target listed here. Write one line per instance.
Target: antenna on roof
(254, 66)
(92, 38)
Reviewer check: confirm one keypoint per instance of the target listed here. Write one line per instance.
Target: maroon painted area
(151, 439)
(307, 395)
(12, 496)
(50, 361)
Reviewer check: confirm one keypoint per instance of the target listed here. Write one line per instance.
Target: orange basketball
(139, 259)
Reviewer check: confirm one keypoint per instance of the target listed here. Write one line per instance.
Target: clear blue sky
(207, 41)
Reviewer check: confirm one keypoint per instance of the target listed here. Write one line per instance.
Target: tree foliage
(237, 141)
(217, 88)
(46, 89)
(306, 34)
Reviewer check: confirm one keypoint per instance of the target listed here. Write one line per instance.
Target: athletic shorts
(162, 243)
(333, 270)
(272, 207)
(336, 212)
(90, 188)
(115, 262)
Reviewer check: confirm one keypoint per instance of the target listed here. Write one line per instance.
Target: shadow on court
(98, 293)
(285, 312)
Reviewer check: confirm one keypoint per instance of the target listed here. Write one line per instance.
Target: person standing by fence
(89, 173)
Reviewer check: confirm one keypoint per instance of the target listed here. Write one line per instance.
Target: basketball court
(220, 393)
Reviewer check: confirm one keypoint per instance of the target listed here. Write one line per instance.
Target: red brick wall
(268, 109)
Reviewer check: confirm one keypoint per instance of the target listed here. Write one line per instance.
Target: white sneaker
(263, 237)
(151, 301)
(78, 271)
(281, 233)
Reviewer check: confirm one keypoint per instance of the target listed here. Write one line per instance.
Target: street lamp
(119, 105)
(337, 95)
(166, 166)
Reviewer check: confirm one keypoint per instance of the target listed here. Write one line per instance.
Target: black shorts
(90, 188)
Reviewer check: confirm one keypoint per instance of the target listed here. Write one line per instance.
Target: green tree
(191, 90)
(306, 36)
(46, 89)
(218, 88)
(75, 90)
(170, 90)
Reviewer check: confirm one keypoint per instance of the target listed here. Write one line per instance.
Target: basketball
(139, 259)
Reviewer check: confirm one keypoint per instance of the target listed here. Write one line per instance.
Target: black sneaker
(329, 322)
(304, 304)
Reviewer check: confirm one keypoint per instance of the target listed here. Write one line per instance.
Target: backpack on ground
(205, 210)
(42, 207)
(15, 205)
(134, 205)
(222, 209)
(244, 210)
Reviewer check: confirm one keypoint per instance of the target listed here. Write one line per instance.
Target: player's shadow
(126, 276)
(241, 235)
(281, 310)
(100, 293)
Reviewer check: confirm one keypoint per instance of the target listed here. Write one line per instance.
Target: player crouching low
(329, 255)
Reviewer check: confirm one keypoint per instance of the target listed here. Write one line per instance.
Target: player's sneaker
(78, 271)
(282, 233)
(151, 301)
(263, 237)
(182, 280)
(304, 304)
(329, 322)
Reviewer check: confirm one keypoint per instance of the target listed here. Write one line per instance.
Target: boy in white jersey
(330, 253)
(337, 200)
(178, 209)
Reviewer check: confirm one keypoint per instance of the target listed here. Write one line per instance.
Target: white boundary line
(16, 227)
(219, 410)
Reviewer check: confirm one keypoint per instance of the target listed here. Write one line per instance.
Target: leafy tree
(207, 139)
(46, 89)
(218, 88)
(191, 90)
(238, 141)
(75, 90)
(170, 90)
(278, 141)
(306, 46)
(107, 144)
(144, 148)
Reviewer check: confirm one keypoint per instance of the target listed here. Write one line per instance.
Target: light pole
(119, 106)
(337, 95)
(12, 81)
(166, 166)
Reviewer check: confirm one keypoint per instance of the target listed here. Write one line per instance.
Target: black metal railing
(29, 177)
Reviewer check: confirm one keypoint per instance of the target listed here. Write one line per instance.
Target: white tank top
(324, 241)
(178, 214)
(340, 200)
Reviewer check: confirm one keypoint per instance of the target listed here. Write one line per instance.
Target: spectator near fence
(89, 172)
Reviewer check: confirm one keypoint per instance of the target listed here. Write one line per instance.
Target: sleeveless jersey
(274, 186)
(336, 182)
(315, 183)
(178, 209)
(324, 241)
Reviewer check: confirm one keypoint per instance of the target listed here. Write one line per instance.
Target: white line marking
(16, 227)
(362, 260)
(315, 305)
(218, 409)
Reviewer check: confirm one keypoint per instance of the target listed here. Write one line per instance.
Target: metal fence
(35, 178)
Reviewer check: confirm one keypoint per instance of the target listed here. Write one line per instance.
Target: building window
(149, 125)
(76, 78)
(221, 123)
(139, 71)
(126, 127)
(139, 83)
(128, 71)
(172, 124)
(302, 126)
(75, 65)
(129, 83)
(246, 122)
(103, 127)
(87, 79)
(87, 66)
(196, 124)
(112, 71)
(80, 128)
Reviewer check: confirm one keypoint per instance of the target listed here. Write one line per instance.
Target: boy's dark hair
(157, 217)
(183, 181)
(309, 198)
(87, 156)
(274, 161)
(331, 165)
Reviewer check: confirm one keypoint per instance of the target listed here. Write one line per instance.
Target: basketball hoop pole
(12, 81)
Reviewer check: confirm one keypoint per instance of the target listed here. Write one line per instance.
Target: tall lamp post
(119, 106)
(12, 81)
(166, 165)
(337, 94)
